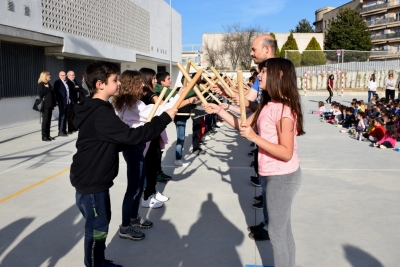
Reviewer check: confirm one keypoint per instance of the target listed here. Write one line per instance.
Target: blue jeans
(180, 133)
(263, 183)
(63, 118)
(96, 209)
(370, 94)
(136, 175)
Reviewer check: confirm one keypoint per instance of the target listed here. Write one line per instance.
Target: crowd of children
(377, 122)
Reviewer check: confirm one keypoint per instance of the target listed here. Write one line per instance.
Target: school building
(55, 35)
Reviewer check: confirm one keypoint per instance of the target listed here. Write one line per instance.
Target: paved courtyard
(346, 213)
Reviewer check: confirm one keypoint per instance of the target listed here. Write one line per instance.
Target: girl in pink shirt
(279, 120)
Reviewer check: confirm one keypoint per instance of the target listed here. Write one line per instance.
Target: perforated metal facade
(119, 22)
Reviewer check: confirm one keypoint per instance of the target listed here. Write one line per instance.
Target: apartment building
(383, 20)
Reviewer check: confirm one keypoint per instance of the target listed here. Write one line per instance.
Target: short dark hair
(161, 76)
(99, 71)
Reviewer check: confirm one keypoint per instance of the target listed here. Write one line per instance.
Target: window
(397, 16)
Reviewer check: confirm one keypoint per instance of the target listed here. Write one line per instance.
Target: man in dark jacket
(95, 165)
(74, 93)
(63, 101)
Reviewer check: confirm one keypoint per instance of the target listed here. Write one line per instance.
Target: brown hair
(281, 89)
(147, 77)
(130, 90)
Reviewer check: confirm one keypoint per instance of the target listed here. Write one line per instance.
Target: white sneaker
(181, 163)
(161, 197)
(151, 202)
(207, 137)
(220, 123)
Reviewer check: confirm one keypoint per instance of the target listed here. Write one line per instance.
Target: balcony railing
(381, 21)
(386, 36)
(365, 9)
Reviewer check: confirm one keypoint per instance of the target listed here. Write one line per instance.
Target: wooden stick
(185, 114)
(160, 98)
(222, 81)
(184, 73)
(185, 81)
(190, 86)
(213, 97)
(204, 74)
(200, 96)
(170, 95)
(241, 97)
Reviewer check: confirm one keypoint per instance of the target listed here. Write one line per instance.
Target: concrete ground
(346, 213)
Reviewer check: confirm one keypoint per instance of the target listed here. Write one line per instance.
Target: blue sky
(277, 16)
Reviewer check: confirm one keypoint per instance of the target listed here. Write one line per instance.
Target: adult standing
(46, 92)
(329, 87)
(390, 90)
(371, 87)
(63, 100)
(74, 89)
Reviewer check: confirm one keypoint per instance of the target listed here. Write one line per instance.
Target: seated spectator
(389, 139)
(378, 132)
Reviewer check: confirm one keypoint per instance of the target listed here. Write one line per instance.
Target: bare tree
(237, 44)
(214, 55)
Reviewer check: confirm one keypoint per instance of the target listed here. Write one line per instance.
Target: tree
(312, 58)
(213, 55)
(277, 52)
(303, 26)
(348, 31)
(293, 56)
(236, 43)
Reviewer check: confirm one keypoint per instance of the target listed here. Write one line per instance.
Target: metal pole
(170, 36)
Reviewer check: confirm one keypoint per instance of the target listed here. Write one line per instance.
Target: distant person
(329, 87)
(84, 92)
(74, 90)
(95, 165)
(371, 87)
(390, 88)
(63, 100)
(46, 92)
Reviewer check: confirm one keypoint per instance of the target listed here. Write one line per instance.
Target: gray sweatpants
(281, 190)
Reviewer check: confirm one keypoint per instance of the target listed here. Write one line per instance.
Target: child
(321, 109)
(389, 139)
(379, 130)
(279, 121)
(134, 112)
(360, 125)
(362, 105)
(95, 165)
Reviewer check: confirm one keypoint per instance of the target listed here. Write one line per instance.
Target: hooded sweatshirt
(101, 136)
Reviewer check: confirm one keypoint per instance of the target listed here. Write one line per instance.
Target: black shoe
(109, 263)
(258, 199)
(52, 138)
(258, 206)
(255, 181)
(46, 139)
(256, 228)
(250, 154)
(63, 134)
(260, 235)
(199, 151)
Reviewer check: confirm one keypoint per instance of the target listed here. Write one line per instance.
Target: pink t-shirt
(267, 122)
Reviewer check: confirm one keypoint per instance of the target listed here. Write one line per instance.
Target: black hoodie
(101, 136)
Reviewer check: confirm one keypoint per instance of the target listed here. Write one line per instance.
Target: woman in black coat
(46, 91)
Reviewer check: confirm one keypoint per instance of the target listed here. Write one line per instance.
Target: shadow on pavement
(48, 243)
(9, 233)
(360, 258)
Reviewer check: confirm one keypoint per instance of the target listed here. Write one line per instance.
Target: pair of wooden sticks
(192, 82)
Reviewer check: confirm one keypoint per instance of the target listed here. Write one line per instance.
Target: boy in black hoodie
(95, 165)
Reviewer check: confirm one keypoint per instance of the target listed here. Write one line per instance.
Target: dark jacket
(74, 89)
(101, 136)
(61, 93)
(48, 94)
